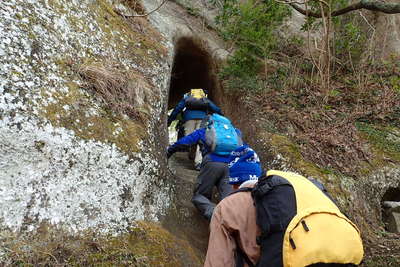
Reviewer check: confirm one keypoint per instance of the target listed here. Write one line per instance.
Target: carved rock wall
(66, 159)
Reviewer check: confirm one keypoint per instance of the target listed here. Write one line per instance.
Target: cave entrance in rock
(192, 68)
(391, 209)
(392, 194)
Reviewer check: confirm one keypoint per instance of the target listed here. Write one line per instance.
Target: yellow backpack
(300, 224)
(197, 93)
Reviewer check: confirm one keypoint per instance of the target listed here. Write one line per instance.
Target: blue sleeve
(176, 111)
(185, 142)
(214, 108)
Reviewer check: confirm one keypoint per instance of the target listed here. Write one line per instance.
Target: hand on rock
(169, 153)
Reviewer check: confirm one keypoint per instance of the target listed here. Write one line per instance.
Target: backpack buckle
(265, 188)
(258, 240)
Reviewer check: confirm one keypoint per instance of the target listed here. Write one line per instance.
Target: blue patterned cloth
(244, 165)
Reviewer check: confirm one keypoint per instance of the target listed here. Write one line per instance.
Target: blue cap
(244, 165)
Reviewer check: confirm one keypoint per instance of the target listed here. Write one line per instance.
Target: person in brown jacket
(324, 238)
(234, 219)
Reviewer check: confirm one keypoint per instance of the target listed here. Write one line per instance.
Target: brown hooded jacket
(234, 219)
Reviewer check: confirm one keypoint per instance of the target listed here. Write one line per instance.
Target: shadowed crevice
(390, 209)
(392, 194)
(192, 68)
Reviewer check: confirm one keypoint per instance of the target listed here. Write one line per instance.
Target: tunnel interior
(392, 194)
(192, 68)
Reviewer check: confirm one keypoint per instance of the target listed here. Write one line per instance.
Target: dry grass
(141, 25)
(384, 251)
(135, 5)
(124, 92)
(323, 124)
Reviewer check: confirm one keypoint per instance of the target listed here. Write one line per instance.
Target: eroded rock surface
(66, 159)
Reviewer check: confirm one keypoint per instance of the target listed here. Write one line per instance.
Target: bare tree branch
(388, 8)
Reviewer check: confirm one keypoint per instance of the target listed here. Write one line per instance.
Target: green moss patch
(144, 244)
(125, 44)
(72, 111)
(137, 34)
(133, 37)
(291, 151)
(385, 140)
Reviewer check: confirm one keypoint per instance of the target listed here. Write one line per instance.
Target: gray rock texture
(64, 157)
(393, 224)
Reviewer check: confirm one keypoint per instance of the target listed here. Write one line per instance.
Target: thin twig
(369, 24)
(291, 2)
(141, 15)
(309, 45)
(323, 55)
(328, 46)
(370, 41)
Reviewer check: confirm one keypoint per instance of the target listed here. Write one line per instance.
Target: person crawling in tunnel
(193, 108)
(278, 219)
(217, 139)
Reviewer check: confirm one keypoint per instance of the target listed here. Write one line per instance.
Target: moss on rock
(144, 244)
(291, 152)
(385, 141)
(336, 183)
(72, 111)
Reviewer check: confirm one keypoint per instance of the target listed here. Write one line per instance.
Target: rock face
(66, 158)
(394, 221)
(174, 22)
(83, 96)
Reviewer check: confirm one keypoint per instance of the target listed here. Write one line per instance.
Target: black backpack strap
(323, 189)
(266, 184)
(275, 202)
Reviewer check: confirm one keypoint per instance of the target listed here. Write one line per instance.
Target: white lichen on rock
(48, 172)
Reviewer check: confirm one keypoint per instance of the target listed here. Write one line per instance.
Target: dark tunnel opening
(392, 194)
(391, 209)
(192, 68)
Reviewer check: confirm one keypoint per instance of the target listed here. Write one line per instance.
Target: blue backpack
(221, 136)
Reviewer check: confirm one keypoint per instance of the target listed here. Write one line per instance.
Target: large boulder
(78, 106)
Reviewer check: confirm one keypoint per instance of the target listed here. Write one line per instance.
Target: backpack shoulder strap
(323, 189)
(266, 184)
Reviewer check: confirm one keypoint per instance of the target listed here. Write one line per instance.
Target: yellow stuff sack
(197, 93)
